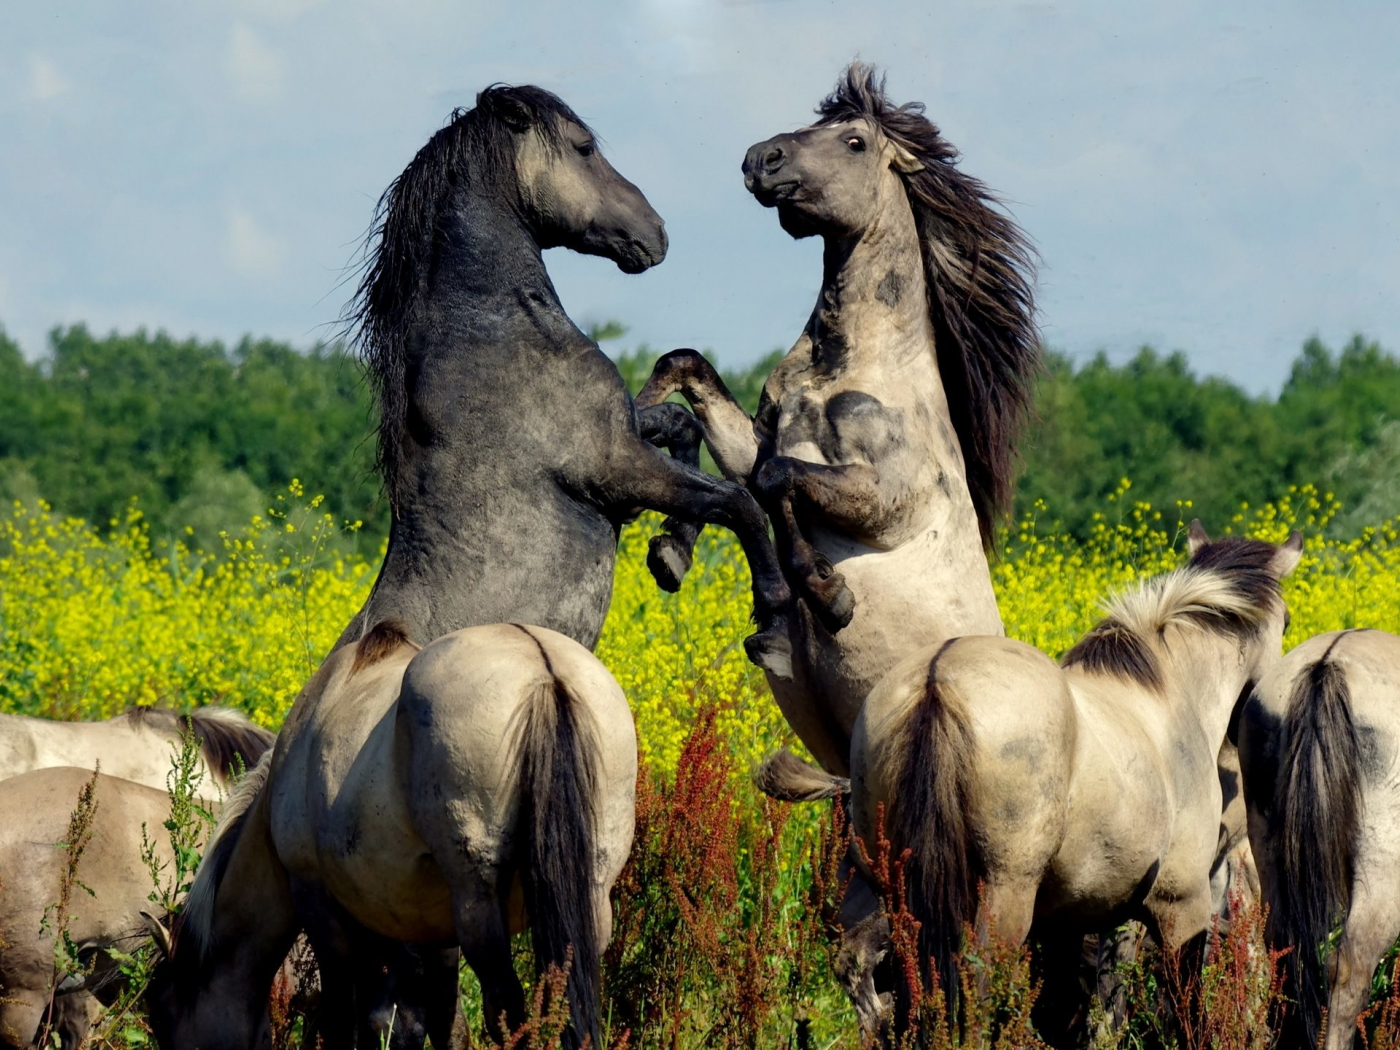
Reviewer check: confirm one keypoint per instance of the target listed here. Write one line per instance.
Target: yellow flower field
(92, 621)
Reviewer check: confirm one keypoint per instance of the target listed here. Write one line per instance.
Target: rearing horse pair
(411, 792)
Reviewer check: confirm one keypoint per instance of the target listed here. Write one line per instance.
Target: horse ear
(514, 113)
(902, 161)
(1285, 559)
(159, 933)
(1196, 537)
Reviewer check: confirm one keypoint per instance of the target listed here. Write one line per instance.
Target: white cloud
(249, 247)
(46, 80)
(253, 65)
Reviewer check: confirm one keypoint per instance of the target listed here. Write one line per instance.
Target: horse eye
(856, 143)
(587, 149)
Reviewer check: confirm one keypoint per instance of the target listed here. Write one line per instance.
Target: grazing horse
(441, 797)
(135, 745)
(883, 444)
(510, 449)
(1076, 795)
(35, 808)
(1319, 744)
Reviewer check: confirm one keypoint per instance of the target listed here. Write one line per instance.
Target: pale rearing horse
(1319, 744)
(1076, 795)
(883, 444)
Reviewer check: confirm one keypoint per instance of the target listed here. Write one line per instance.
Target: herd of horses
(462, 767)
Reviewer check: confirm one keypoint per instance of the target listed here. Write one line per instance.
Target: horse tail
(785, 777)
(558, 786)
(1315, 823)
(931, 753)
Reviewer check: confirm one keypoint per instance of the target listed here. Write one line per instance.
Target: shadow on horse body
(1319, 744)
(1077, 795)
(444, 797)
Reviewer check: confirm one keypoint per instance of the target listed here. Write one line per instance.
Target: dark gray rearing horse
(510, 449)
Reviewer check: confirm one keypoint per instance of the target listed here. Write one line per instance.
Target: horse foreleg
(823, 588)
(864, 943)
(727, 428)
(669, 555)
(641, 477)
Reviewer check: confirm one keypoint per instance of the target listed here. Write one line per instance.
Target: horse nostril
(773, 159)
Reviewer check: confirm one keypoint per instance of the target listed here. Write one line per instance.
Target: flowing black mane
(401, 247)
(979, 268)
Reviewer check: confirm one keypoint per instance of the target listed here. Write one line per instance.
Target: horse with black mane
(397, 808)
(883, 447)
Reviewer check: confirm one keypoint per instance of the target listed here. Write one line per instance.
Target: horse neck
(253, 923)
(1205, 673)
(873, 306)
(487, 316)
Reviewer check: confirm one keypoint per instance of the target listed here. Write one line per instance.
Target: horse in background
(135, 745)
(35, 808)
(1079, 795)
(1319, 743)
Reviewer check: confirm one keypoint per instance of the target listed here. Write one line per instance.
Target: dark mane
(1227, 587)
(402, 244)
(1112, 648)
(225, 736)
(979, 268)
(1245, 563)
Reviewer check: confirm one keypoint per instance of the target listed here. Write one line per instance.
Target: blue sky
(1220, 179)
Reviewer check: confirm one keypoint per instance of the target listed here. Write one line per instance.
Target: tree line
(201, 433)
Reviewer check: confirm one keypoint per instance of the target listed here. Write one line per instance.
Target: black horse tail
(1315, 825)
(929, 816)
(558, 783)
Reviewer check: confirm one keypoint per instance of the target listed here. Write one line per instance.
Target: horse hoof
(772, 651)
(669, 561)
(833, 603)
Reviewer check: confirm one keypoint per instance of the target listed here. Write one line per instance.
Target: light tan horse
(1077, 795)
(136, 745)
(883, 447)
(34, 815)
(442, 797)
(1319, 744)
(883, 444)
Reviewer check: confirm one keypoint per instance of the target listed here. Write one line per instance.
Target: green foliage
(99, 420)
(199, 431)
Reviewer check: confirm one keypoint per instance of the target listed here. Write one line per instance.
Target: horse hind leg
(1372, 926)
(482, 930)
